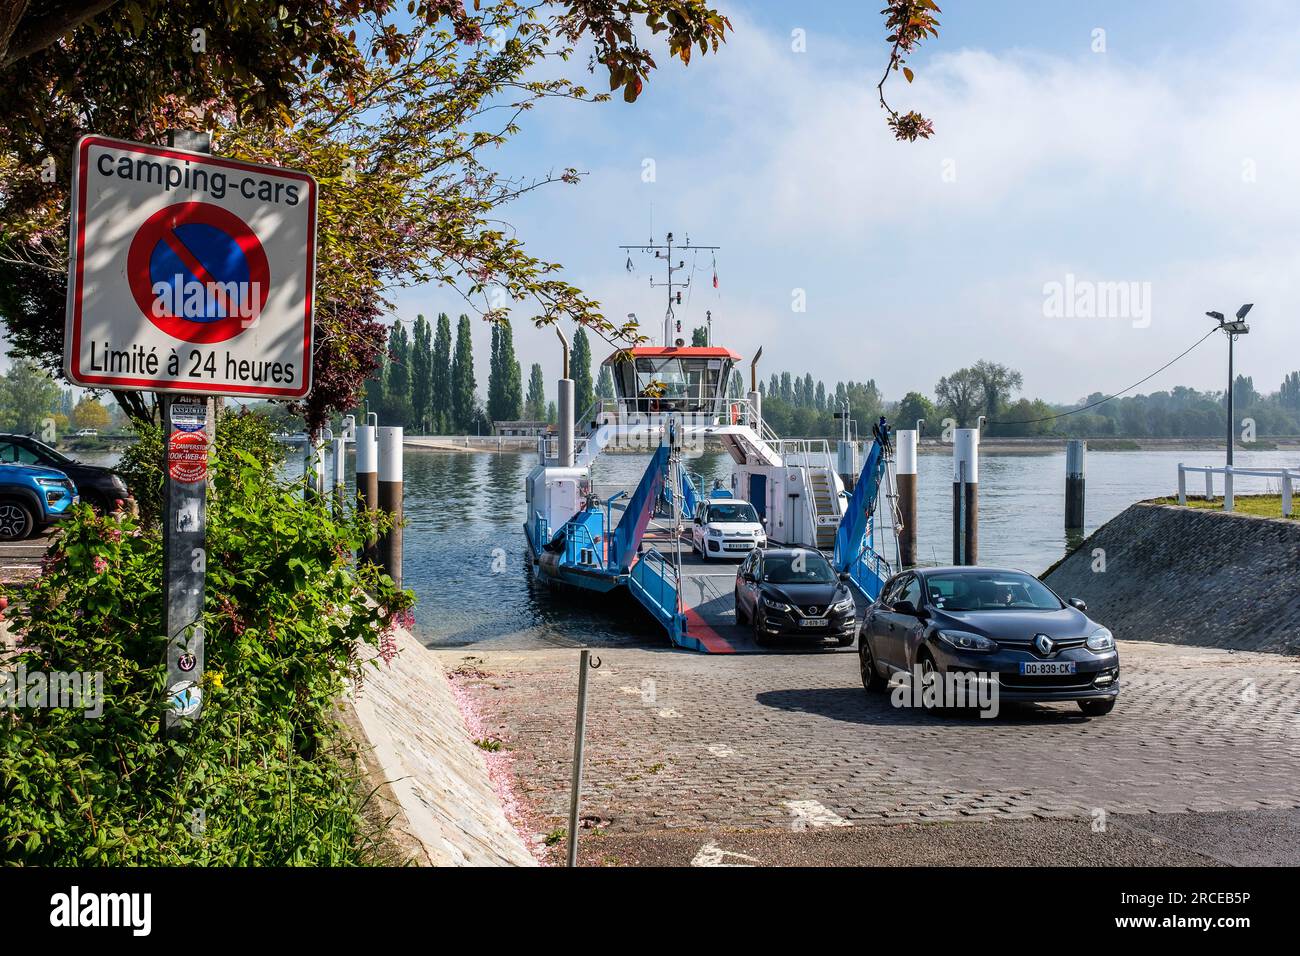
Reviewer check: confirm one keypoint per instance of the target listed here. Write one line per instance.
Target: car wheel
(871, 679)
(740, 613)
(1097, 708)
(759, 637)
(16, 520)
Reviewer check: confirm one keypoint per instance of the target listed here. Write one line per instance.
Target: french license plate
(816, 622)
(1046, 668)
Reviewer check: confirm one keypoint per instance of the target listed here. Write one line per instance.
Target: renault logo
(1044, 644)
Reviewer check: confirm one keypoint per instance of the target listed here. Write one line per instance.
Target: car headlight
(775, 605)
(965, 641)
(1101, 640)
(845, 605)
(118, 483)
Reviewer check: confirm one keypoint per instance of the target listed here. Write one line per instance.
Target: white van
(726, 528)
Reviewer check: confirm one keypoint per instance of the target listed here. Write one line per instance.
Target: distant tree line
(798, 405)
(427, 385)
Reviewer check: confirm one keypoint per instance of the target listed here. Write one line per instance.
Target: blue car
(31, 498)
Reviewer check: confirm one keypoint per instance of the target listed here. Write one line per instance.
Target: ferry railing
(541, 532)
(1286, 476)
(577, 540)
(548, 448)
(664, 591)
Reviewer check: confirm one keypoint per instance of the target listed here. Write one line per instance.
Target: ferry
(669, 401)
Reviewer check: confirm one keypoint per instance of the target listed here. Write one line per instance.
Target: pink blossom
(100, 565)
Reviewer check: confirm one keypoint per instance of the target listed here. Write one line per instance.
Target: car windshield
(989, 591)
(803, 567)
(740, 511)
(45, 449)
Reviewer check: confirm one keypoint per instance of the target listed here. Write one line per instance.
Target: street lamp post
(1231, 329)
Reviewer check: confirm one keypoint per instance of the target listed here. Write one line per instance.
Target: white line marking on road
(713, 855)
(721, 750)
(668, 712)
(810, 813)
(634, 691)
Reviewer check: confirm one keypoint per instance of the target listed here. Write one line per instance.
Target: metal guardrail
(1286, 476)
(577, 538)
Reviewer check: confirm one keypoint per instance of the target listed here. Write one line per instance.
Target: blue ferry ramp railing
(656, 582)
(854, 546)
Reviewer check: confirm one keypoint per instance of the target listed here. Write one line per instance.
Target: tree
(552, 416)
(505, 398)
(90, 413)
(915, 406)
(1289, 394)
(580, 369)
(463, 397)
(422, 375)
(605, 384)
(961, 394)
(996, 383)
(535, 404)
(27, 397)
(397, 386)
(1244, 395)
(395, 121)
(441, 386)
(700, 336)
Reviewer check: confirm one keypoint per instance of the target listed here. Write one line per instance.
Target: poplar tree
(580, 369)
(397, 386)
(535, 405)
(462, 379)
(440, 398)
(421, 375)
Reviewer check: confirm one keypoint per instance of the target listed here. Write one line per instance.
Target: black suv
(794, 592)
(98, 486)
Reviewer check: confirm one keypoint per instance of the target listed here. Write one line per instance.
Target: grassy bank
(1261, 506)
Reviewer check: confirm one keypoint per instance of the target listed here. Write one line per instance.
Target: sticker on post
(187, 457)
(185, 698)
(189, 416)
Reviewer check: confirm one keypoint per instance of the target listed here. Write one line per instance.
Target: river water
(465, 555)
(466, 560)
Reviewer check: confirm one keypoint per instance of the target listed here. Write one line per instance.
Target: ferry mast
(665, 252)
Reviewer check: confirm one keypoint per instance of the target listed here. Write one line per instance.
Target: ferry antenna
(665, 251)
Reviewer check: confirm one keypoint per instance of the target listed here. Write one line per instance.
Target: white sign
(189, 273)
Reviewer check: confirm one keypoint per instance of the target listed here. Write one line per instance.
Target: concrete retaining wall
(445, 811)
(1191, 576)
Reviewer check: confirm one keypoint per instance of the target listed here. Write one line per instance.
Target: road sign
(189, 273)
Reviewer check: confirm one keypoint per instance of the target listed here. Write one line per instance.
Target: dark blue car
(32, 497)
(993, 624)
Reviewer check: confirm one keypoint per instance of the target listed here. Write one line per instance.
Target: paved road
(784, 758)
(20, 559)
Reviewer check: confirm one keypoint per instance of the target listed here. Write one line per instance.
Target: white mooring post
(965, 496)
(1075, 453)
(1209, 485)
(1286, 493)
(368, 477)
(905, 442)
(1227, 489)
(1182, 483)
(390, 500)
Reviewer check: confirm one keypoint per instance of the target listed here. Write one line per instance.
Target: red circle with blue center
(197, 258)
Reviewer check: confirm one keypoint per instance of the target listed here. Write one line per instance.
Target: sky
(1104, 147)
(1161, 154)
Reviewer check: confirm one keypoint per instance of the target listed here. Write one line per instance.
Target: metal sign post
(185, 486)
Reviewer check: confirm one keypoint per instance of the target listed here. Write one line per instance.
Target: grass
(1262, 506)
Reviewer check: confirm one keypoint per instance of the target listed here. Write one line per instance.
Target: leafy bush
(265, 777)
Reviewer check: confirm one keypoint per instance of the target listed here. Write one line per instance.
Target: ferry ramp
(708, 606)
